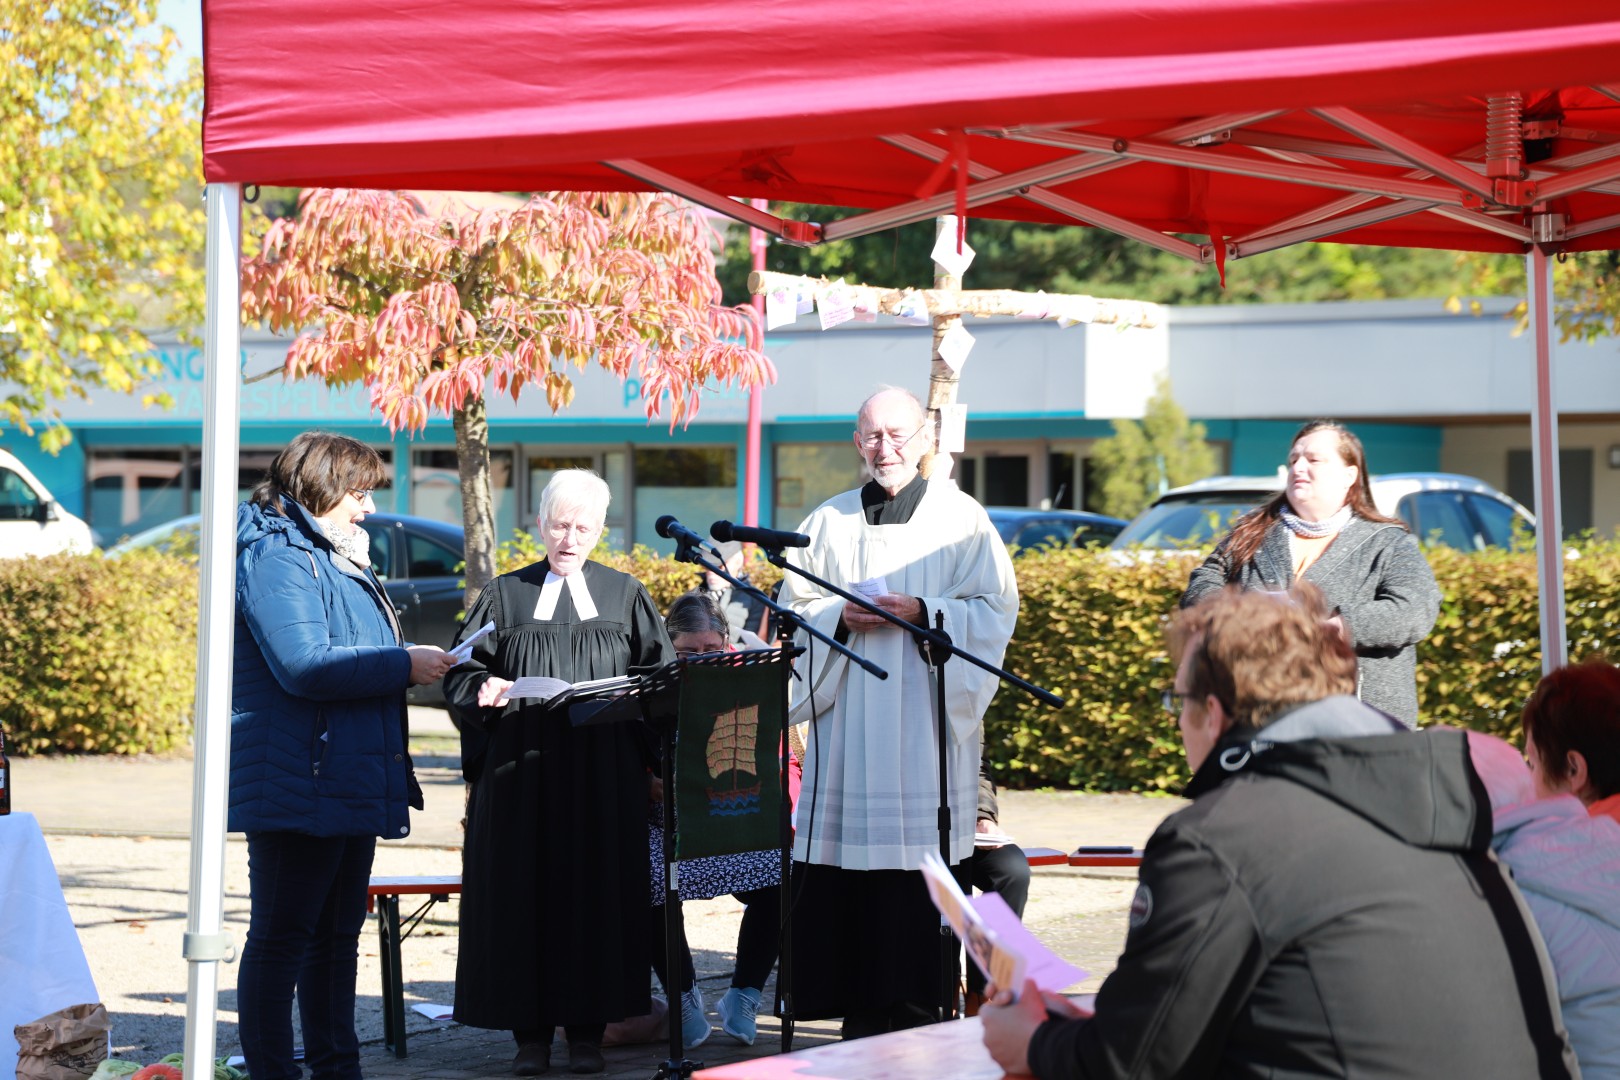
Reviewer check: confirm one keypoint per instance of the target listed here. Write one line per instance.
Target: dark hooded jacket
(1327, 907)
(318, 718)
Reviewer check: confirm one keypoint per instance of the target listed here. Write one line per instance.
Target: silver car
(1442, 508)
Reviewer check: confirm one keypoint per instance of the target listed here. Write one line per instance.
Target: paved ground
(119, 832)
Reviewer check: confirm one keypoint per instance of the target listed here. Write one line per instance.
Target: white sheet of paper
(871, 588)
(953, 428)
(433, 1010)
(834, 305)
(945, 253)
(954, 346)
(805, 301)
(537, 686)
(913, 309)
(464, 650)
(992, 839)
(780, 308)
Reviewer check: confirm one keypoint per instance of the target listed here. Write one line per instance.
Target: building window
(436, 488)
(808, 474)
(697, 484)
(611, 465)
(132, 490)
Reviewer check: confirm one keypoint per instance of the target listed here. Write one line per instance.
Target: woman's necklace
(1315, 530)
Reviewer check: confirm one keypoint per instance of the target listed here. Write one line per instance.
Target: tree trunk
(477, 506)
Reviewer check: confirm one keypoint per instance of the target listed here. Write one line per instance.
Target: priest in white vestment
(865, 936)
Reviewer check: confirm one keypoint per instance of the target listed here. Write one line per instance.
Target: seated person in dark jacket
(1326, 907)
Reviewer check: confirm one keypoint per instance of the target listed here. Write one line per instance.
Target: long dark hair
(1249, 534)
(316, 470)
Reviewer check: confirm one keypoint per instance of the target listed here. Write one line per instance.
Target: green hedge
(1092, 631)
(99, 653)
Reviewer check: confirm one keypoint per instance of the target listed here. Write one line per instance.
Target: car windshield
(1195, 521)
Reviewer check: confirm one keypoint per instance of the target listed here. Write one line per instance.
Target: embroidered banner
(728, 769)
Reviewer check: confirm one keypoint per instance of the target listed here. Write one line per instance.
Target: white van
(31, 522)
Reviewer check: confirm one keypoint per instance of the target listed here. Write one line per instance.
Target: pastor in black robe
(554, 873)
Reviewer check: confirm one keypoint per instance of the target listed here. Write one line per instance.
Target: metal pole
(1544, 466)
(205, 942)
(756, 246)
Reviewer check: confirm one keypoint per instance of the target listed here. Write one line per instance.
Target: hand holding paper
(994, 938)
(463, 652)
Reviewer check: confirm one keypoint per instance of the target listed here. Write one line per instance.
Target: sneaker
(694, 1025)
(738, 1010)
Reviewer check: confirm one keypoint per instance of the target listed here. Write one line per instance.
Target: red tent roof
(1257, 121)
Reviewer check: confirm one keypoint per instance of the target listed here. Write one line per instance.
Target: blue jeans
(307, 903)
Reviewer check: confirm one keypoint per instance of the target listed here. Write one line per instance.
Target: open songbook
(993, 936)
(554, 692)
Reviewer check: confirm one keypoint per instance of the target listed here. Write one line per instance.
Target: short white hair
(575, 489)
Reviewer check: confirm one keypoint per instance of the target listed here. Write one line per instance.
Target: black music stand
(654, 699)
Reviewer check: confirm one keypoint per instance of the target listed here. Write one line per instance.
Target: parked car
(32, 522)
(1022, 527)
(1442, 508)
(418, 560)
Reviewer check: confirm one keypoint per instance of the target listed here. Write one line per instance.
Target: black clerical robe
(554, 880)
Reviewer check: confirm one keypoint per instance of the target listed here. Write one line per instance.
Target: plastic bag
(68, 1044)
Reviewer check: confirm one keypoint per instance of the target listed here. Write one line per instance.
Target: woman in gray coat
(1324, 527)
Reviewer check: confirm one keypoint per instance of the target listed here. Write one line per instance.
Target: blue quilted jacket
(318, 697)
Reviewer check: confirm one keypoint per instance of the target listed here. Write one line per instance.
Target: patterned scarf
(1315, 530)
(354, 544)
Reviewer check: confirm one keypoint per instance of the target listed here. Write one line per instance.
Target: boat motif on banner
(731, 749)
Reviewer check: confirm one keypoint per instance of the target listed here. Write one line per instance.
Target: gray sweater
(1376, 576)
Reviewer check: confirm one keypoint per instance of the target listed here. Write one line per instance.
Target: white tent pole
(205, 942)
(1544, 466)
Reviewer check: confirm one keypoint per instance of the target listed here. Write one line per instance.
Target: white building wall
(1384, 360)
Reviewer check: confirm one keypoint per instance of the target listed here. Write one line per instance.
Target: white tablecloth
(42, 965)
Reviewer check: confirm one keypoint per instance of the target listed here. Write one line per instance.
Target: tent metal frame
(1489, 186)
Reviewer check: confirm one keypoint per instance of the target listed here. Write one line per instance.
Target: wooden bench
(1124, 856)
(382, 895)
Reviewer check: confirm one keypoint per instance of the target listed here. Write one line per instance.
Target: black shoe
(532, 1059)
(864, 1023)
(585, 1057)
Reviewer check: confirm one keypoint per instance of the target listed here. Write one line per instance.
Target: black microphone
(670, 529)
(747, 534)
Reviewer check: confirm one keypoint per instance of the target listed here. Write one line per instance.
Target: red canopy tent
(1245, 124)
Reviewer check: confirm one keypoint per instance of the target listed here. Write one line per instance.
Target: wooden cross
(947, 302)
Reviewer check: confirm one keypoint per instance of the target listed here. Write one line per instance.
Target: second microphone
(765, 538)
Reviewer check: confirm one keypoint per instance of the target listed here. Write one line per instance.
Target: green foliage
(99, 167)
(1142, 460)
(1091, 630)
(100, 653)
(1098, 642)
(1094, 262)
(110, 645)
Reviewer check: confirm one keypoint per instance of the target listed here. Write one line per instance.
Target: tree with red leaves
(428, 309)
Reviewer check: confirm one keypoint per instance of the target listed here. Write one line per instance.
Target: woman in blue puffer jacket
(319, 768)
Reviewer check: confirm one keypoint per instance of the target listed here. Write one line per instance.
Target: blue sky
(185, 17)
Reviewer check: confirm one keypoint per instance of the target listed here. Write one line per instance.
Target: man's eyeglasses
(876, 440)
(1173, 702)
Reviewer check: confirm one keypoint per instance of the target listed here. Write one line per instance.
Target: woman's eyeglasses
(1173, 702)
(360, 494)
